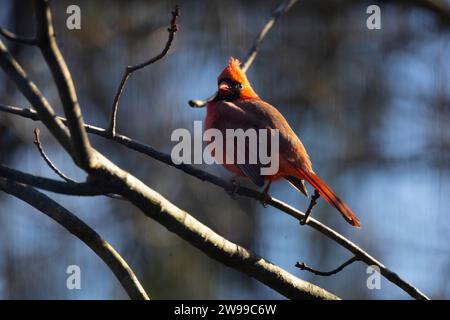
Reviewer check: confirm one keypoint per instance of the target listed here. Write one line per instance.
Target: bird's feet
(308, 212)
(265, 198)
(234, 187)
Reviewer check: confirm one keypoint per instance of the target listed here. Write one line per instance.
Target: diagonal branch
(215, 246)
(35, 97)
(15, 38)
(284, 7)
(82, 150)
(82, 231)
(242, 191)
(281, 9)
(130, 69)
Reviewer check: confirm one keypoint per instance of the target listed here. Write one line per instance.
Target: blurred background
(371, 106)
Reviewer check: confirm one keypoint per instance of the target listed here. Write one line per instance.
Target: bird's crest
(234, 72)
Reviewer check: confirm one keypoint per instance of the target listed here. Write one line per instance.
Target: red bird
(237, 106)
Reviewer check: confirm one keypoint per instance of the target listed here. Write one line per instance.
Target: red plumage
(237, 106)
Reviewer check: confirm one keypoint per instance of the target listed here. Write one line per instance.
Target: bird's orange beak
(224, 89)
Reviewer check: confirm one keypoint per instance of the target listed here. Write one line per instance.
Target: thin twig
(82, 231)
(304, 266)
(242, 191)
(38, 144)
(130, 69)
(15, 38)
(284, 7)
(52, 166)
(281, 9)
(312, 203)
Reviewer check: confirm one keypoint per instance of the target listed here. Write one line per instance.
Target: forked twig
(130, 69)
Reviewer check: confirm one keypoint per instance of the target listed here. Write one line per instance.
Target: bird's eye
(237, 85)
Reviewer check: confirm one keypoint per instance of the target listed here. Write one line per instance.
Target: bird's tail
(326, 192)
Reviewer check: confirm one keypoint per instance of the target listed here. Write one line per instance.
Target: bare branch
(215, 246)
(130, 69)
(303, 266)
(69, 188)
(52, 166)
(167, 214)
(277, 13)
(246, 192)
(82, 150)
(353, 248)
(281, 9)
(13, 69)
(183, 224)
(38, 144)
(82, 231)
(312, 203)
(15, 38)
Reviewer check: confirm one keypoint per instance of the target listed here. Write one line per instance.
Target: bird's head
(233, 83)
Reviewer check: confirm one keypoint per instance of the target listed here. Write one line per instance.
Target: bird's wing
(252, 171)
(258, 114)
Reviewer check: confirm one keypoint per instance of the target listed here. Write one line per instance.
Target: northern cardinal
(237, 106)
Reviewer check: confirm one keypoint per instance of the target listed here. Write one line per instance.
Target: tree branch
(242, 191)
(82, 150)
(312, 203)
(108, 175)
(68, 188)
(52, 166)
(181, 223)
(13, 69)
(130, 69)
(284, 7)
(15, 38)
(214, 245)
(82, 231)
(38, 145)
(281, 9)
(304, 266)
